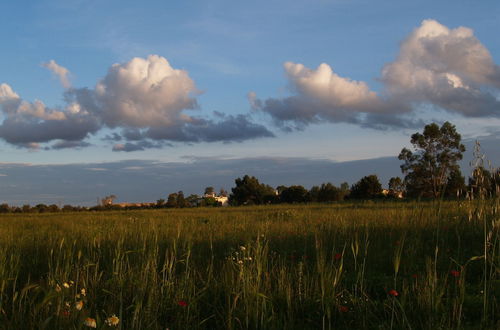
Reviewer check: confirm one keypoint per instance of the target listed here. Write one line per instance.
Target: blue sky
(220, 51)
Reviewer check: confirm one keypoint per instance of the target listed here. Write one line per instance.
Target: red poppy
(455, 273)
(343, 309)
(393, 293)
(182, 303)
(337, 256)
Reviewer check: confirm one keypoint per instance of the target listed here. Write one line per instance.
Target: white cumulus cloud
(145, 93)
(449, 69)
(146, 98)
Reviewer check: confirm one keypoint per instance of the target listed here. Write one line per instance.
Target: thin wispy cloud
(61, 72)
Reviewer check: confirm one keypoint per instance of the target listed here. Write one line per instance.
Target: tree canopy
(435, 156)
(249, 190)
(366, 188)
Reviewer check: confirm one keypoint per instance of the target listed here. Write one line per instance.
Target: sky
(194, 83)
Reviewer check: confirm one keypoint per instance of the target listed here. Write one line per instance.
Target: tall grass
(340, 266)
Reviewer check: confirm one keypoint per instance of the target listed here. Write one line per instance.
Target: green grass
(274, 267)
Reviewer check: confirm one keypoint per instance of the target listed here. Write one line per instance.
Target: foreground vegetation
(368, 265)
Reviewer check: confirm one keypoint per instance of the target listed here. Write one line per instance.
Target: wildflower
(393, 293)
(65, 313)
(242, 248)
(337, 256)
(343, 309)
(90, 322)
(240, 262)
(112, 321)
(182, 303)
(455, 273)
(58, 288)
(66, 285)
(83, 292)
(79, 305)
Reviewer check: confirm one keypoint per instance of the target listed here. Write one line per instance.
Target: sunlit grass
(370, 265)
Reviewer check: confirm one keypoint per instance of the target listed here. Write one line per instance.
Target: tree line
(430, 168)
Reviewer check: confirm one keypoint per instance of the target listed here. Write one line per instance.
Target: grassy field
(339, 266)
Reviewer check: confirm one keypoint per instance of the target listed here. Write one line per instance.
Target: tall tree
(436, 154)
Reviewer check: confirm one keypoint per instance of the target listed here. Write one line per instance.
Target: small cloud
(1, 174)
(70, 145)
(136, 146)
(97, 169)
(134, 168)
(61, 72)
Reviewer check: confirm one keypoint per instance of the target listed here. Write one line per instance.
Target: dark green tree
(328, 193)
(455, 185)
(314, 194)
(367, 188)
(209, 191)
(249, 191)
(344, 190)
(193, 200)
(172, 200)
(181, 201)
(396, 187)
(436, 153)
(294, 194)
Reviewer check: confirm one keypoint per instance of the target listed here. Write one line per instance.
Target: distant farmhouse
(223, 200)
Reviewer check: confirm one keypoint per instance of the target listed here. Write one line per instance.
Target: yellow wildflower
(113, 320)
(79, 305)
(90, 322)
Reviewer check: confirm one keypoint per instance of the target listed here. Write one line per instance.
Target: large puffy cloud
(145, 93)
(145, 98)
(446, 68)
(61, 72)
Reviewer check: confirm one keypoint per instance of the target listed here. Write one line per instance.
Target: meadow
(371, 265)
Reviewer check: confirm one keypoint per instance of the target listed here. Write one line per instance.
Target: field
(433, 265)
